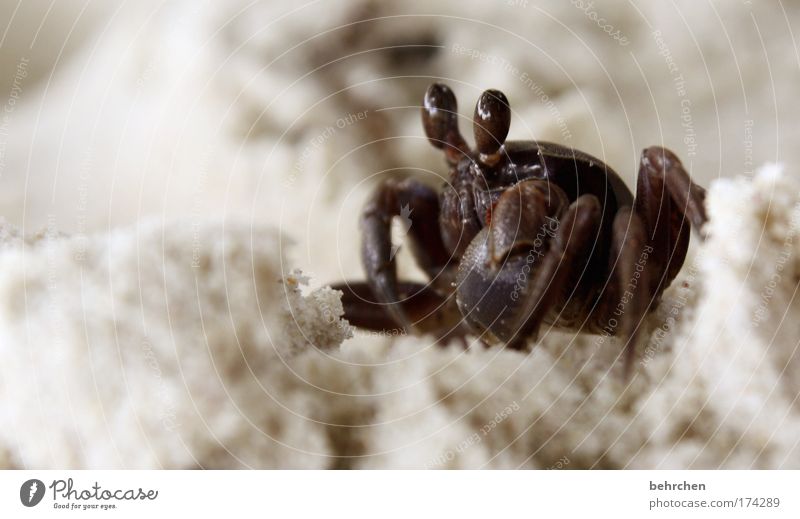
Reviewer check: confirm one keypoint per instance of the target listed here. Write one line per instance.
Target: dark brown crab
(524, 233)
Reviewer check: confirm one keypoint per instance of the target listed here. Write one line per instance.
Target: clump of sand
(150, 346)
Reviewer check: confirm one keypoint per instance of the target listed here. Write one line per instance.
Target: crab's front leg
(566, 263)
(422, 305)
(526, 262)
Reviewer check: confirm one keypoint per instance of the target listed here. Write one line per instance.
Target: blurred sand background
(228, 144)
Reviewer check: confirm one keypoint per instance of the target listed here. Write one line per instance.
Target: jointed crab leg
(649, 243)
(562, 265)
(630, 291)
(419, 205)
(426, 309)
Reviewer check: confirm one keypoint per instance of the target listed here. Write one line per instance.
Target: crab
(524, 233)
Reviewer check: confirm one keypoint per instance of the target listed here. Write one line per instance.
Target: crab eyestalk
(490, 124)
(440, 120)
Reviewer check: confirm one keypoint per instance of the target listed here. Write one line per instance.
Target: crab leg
(630, 292)
(649, 243)
(418, 204)
(688, 198)
(428, 311)
(561, 265)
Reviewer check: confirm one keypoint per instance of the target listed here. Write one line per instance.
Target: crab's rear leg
(418, 206)
(629, 293)
(650, 242)
(660, 165)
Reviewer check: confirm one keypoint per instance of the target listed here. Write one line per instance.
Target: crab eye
(491, 121)
(439, 114)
